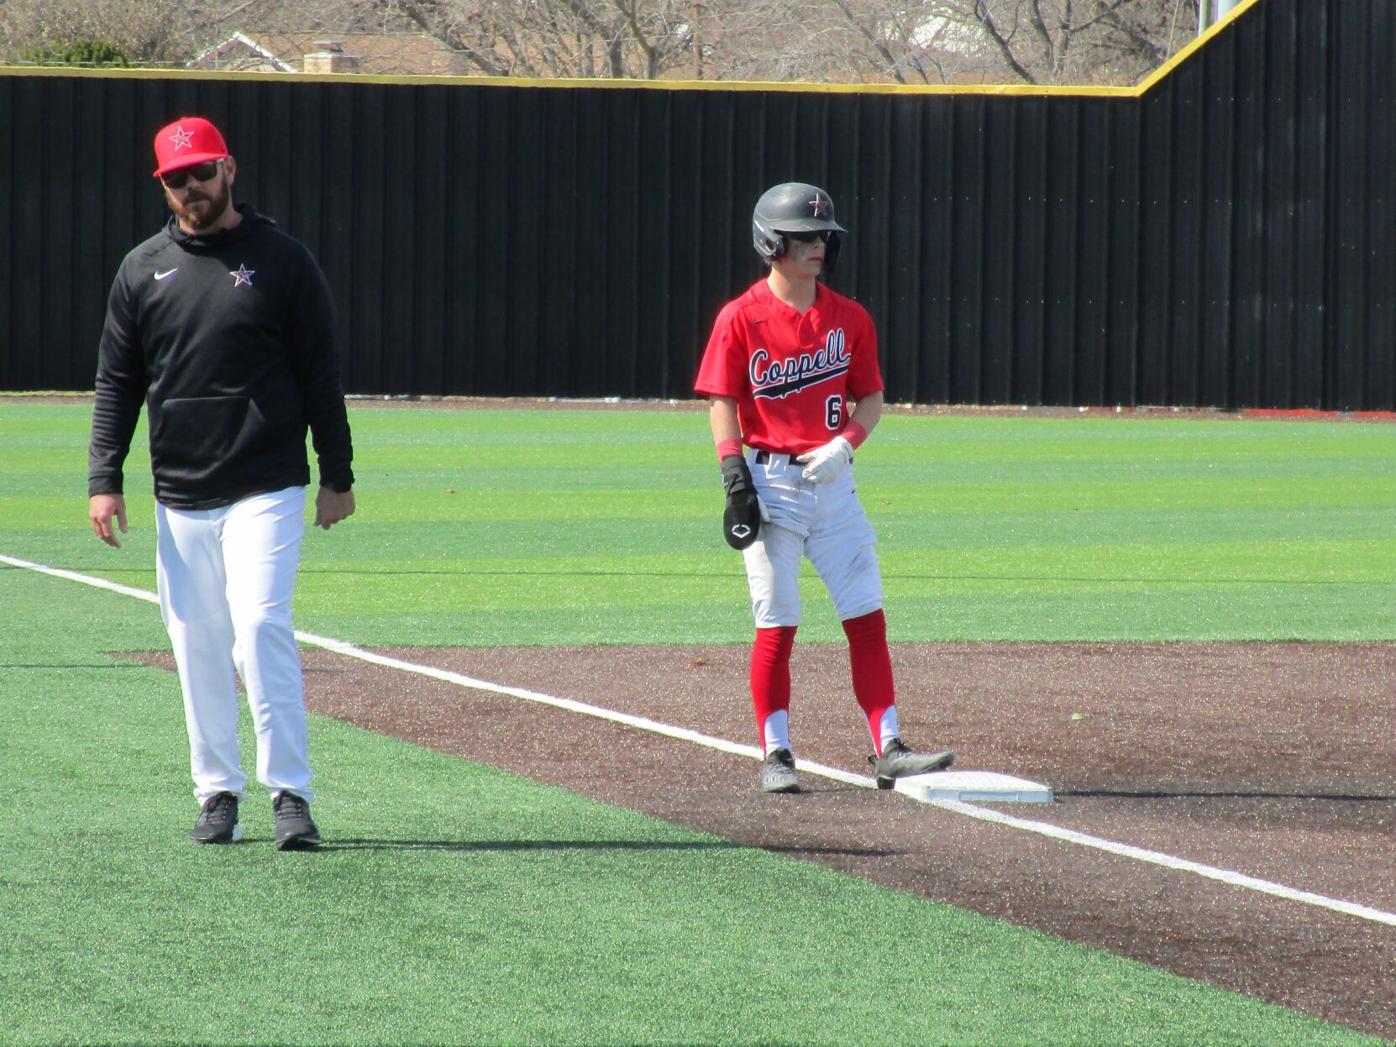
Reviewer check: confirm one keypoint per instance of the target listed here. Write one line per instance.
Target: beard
(202, 207)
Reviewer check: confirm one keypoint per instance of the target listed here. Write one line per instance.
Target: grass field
(461, 904)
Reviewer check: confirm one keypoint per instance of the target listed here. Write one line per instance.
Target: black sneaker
(294, 829)
(897, 761)
(218, 821)
(778, 772)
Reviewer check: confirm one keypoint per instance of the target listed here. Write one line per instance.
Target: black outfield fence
(1224, 235)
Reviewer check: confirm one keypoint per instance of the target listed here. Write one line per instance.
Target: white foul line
(349, 650)
(571, 705)
(85, 579)
(1055, 832)
(1168, 861)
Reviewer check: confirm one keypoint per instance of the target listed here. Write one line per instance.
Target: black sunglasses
(199, 172)
(822, 235)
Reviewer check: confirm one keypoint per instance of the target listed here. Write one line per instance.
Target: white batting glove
(828, 462)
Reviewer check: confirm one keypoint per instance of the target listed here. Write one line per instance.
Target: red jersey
(792, 374)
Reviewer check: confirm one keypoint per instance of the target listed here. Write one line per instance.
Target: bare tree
(936, 41)
(941, 41)
(644, 39)
(1068, 41)
(896, 41)
(150, 32)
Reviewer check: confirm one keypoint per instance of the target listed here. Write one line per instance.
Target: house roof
(413, 54)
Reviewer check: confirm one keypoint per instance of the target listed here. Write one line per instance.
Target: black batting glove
(741, 519)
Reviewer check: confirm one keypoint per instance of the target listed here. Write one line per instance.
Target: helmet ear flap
(769, 243)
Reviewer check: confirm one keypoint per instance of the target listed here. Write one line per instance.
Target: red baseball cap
(188, 140)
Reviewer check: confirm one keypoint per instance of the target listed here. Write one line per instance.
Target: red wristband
(727, 447)
(854, 433)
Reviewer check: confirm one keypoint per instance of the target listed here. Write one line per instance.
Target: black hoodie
(229, 339)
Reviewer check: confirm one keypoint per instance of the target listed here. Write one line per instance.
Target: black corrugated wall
(1226, 237)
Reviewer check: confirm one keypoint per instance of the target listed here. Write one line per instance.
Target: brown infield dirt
(1276, 761)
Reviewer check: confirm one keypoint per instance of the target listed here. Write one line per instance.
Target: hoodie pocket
(197, 436)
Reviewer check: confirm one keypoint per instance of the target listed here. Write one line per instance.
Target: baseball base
(974, 787)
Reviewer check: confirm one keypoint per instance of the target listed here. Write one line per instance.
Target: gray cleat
(218, 820)
(897, 761)
(294, 829)
(778, 772)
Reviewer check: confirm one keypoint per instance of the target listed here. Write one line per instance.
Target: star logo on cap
(241, 275)
(181, 138)
(819, 204)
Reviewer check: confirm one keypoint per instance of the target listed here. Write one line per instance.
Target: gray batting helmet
(794, 207)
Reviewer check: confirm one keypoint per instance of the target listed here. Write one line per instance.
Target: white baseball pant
(226, 577)
(825, 522)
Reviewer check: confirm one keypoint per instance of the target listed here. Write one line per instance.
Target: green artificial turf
(458, 904)
(498, 527)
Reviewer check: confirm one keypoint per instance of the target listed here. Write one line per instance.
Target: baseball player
(223, 325)
(791, 371)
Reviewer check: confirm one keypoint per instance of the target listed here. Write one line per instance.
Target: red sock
(871, 662)
(770, 674)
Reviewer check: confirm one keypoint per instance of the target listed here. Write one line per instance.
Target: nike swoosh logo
(167, 272)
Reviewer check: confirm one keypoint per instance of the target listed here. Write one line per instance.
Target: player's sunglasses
(822, 235)
(199, 172)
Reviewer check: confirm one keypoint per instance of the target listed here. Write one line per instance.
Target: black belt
(763, 456)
